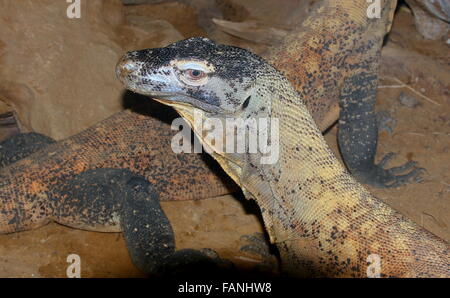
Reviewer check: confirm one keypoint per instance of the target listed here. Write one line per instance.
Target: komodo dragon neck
(322, 220)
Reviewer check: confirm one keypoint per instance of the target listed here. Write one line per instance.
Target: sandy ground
(421, 133)
(216, 223)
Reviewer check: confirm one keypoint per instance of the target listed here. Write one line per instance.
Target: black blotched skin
(150, 238)
(103, 198)
(98, 197)
(229, 61)
(20, 146)
(358, 130)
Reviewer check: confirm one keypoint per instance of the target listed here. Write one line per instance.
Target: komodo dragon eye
(192, 72)
(195, 74)
(194, 77)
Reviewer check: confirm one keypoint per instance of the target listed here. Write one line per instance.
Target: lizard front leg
(114, 200)
(358, 130)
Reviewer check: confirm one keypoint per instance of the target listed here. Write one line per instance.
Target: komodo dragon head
(195, 72)
(200, 78)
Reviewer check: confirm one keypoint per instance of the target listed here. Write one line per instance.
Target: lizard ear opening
(246, 102)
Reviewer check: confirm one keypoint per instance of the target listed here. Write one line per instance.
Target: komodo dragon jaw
(322, 220)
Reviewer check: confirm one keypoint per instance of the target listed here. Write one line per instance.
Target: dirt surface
(421, 132)
(216, 223)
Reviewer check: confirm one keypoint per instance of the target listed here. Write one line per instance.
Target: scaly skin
(28, 199)
(332, 61)
(317, 58)
(323, 222)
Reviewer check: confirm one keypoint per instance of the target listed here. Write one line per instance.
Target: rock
(431, 17)
(280, 13)
(262, 22)
(58, 73)
(252, 31)
(136, 2)
(181, 16)
(408, 101)
(151, 33)
(438, 8)
(386, 122)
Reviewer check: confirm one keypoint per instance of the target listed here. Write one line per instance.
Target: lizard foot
(151, 241)
(20, 146)
(191, 263)
(113, 200)
(376, 175)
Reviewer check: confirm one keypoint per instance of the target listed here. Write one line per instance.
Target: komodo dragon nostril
(126, 66)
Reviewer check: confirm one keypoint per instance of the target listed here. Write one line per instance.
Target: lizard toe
(192, 263)
(378, 176)
(258, 246)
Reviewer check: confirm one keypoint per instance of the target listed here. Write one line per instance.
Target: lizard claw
(257, 245)
(380, 177)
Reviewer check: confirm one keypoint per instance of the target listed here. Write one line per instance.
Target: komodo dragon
(323, 222)
(318, 58)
